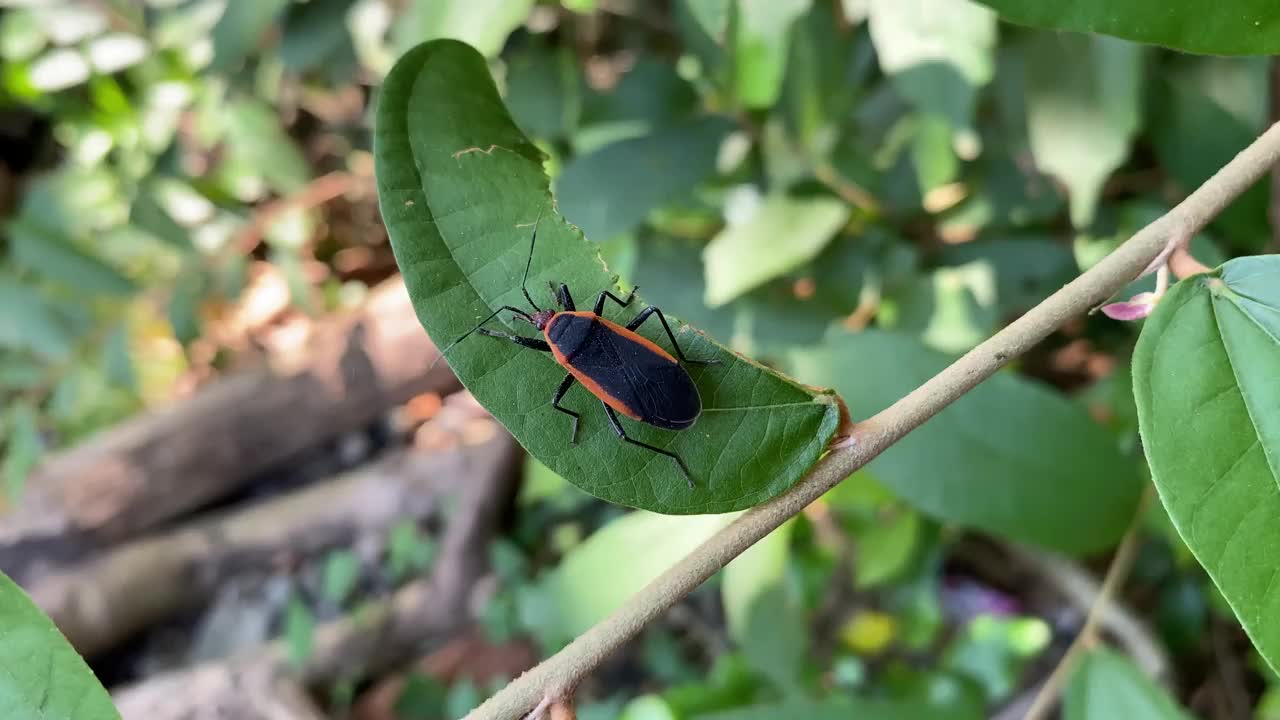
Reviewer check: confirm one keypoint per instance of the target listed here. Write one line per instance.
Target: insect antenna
(525, 316)
(524, 281)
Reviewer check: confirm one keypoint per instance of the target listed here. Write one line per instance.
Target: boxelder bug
(630, 374)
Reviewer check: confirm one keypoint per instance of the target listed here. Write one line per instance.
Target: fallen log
(420, 616)
(103, 601)
(168, 462)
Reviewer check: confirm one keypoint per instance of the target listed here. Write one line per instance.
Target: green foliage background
(847, 191)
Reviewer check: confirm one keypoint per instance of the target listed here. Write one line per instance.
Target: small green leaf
(1232, 27)
(647, 707)
(1107, 685)
(299, 631)
(781, 235)
(1082, 96)
(598, 575)
(1010, 457)
(460, 189)
(483, 24)
(763, 33)
(1204, 378)
(408, 551)
(41, 676)
(341, 573)
(611, 190)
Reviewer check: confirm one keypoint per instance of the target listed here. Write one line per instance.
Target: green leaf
(1232, 27)
(299, 631)
(45, 252)
(845, 709)
(1010, 457)
(22, 448)
(1190, 117)
(239, 31)
(41, 676)
(781, 235)
(598, 575)
(1204, 379)
(314, 32)
(648, 707)
(761, 38)
(764, 614)
(460, 188)
(1107, 685)
(544, 91)
(408, 551)
(258, 143)
(611, 190)
(483, 24)
(341, 573)
(1082, 96)
(31, 323)
(938, 54)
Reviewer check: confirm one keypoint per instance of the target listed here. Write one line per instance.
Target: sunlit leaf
(483, 24)
(1083, 109)
(781, 235)
(939, 53)
(760, 48)
(41, 676)
(1204, 377)
(593, 579)
(460, 189)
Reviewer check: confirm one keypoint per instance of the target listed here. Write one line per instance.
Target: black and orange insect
(630, 374)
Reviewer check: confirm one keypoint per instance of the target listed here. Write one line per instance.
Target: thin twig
(562, 672)
(1121, 563)
(1273, 208)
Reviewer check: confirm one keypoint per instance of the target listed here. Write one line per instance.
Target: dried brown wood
(166, 463)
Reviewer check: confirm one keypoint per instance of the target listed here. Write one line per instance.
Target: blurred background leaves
(184, 183)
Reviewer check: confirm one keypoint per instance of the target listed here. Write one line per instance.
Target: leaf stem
(558, 675)
(1121, 564)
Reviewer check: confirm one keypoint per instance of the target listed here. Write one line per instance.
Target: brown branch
(560, 674)
(138, 584)
(379, 636)
(157, 466)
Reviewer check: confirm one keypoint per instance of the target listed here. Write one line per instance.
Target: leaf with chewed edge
(460, 189)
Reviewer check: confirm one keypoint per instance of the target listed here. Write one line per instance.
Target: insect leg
(564, 298)
(555, 403)
(622, 434)
(606, 294)
(644, 315)
(532, 343)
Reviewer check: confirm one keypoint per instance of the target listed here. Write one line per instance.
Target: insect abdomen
(628, 372)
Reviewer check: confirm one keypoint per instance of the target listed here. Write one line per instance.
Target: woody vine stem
(555, 678)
